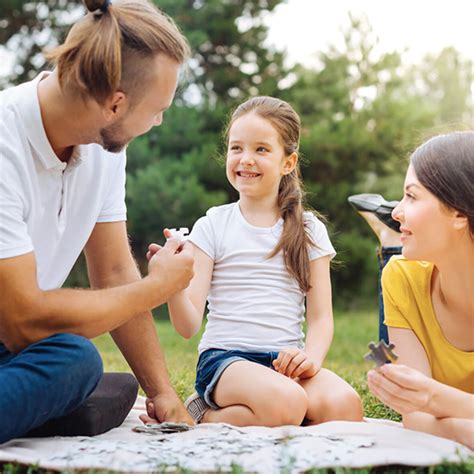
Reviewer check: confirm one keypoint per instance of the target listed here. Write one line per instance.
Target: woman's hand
(402, 388)
(294, 363)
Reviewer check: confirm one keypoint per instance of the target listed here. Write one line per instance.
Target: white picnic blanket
(217, 447)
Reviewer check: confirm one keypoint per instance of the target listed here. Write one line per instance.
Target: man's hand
(294, 363)
(172, 264)
(402, 388)
(166, 407)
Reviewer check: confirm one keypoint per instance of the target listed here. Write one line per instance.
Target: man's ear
(290, 163)
(115, 106)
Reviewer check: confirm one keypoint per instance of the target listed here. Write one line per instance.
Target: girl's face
(256, 158)
(429, 229)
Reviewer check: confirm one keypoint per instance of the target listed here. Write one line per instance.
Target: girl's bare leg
(331, 398)
(251, 394)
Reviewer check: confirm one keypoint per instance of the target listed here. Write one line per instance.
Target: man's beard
(112, 138)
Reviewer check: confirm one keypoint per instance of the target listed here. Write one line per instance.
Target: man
(62, 176)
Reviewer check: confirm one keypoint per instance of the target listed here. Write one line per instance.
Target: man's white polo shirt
(46, 206)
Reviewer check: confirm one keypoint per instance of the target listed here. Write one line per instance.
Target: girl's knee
(289, 405)
(346, 404)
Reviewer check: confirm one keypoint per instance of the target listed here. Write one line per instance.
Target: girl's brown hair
(445, 166)
(110, 48)
(295, 240)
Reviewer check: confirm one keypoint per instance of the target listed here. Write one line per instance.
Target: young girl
(255, 261)
(427, 294)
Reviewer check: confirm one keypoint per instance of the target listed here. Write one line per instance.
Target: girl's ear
(290, 163)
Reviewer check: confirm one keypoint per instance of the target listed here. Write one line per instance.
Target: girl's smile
(247, 174)
(255, 157)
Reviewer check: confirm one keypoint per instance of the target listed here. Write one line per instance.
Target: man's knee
(48, 379)
(80, 358)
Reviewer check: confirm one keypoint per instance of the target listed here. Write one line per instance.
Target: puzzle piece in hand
(163, 428)
(181, 234)
(381, 353)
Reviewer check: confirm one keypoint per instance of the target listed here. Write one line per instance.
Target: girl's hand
(294, 363)
(155, 248)
(402, 388)
(152, 249)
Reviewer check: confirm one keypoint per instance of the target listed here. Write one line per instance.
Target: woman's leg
(330, 398)
(384, 254)
(390, 244)
(251, 394)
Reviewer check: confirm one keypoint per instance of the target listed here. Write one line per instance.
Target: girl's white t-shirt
(253, 302)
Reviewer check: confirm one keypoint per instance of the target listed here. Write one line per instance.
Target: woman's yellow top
(406, 288)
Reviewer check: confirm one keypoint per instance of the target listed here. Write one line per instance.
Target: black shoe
(378, 205)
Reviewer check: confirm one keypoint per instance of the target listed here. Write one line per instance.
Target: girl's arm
(319, 319)
(437, 408)
(186, 308)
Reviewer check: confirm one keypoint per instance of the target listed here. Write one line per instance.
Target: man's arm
(28, 314)
(110, 264)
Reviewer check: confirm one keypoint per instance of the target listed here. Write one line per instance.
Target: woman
(428, 294)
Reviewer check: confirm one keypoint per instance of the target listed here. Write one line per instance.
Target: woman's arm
(433, 407)
(186, 308)
(410, 390)
(319, 319)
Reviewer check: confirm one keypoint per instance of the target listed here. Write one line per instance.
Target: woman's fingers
(395, 395)
(405, 376)
(385, 398)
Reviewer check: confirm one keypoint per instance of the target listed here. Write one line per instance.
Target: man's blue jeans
(384, 255)
(46, 380)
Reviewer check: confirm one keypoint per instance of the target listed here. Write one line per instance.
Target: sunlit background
(416, 27)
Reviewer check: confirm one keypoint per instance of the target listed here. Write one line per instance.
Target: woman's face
(428, 228)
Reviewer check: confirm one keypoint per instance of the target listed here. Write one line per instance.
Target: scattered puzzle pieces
(163, 428)
(381, 353)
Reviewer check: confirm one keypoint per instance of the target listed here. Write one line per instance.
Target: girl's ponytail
(295, 241)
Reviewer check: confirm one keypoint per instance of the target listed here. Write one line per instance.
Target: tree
(26, 27)
(229, 63)
(361, 117)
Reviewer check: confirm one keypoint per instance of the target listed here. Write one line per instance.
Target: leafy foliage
(362, 113)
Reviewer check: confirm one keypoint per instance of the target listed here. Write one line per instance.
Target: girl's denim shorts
(213, 362)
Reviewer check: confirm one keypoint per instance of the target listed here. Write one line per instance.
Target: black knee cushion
(106, 408)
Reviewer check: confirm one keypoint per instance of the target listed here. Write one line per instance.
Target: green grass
(353, 331)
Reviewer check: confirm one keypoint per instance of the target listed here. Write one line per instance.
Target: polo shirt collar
(31, 115)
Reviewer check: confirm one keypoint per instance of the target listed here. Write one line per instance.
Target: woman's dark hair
(111, 47)
(445, 166)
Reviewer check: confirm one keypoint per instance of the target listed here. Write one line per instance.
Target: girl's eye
(234, 148)
(261, 149)
(409, 196)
